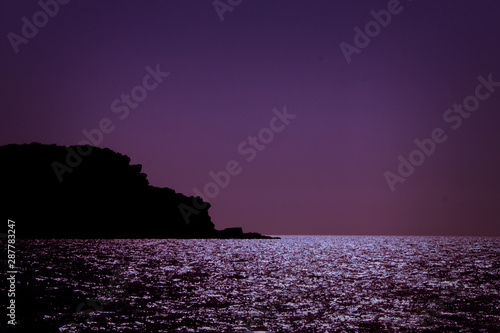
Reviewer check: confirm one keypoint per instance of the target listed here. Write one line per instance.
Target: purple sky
(324, 172)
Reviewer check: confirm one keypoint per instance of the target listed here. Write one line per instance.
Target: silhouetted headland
(89, 192)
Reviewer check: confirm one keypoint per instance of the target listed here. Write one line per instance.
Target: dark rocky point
(88, 192)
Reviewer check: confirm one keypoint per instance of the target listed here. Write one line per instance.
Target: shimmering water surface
(298, 283)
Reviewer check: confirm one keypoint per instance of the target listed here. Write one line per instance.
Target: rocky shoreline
(89, 192)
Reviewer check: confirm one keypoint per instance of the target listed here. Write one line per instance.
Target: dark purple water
(296, 284)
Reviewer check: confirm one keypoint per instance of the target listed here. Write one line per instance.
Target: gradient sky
(324, 173)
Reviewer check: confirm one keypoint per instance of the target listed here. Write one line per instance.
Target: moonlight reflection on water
(298, 283)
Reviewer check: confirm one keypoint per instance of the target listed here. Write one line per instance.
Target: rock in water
(90, 192)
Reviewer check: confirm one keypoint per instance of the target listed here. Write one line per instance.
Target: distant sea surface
(296, 284)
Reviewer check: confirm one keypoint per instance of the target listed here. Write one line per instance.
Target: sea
(292, 284)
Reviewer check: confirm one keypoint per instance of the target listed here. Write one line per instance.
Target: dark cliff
(88, 192)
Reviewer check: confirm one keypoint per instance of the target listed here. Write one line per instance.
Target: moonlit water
(298, 283)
